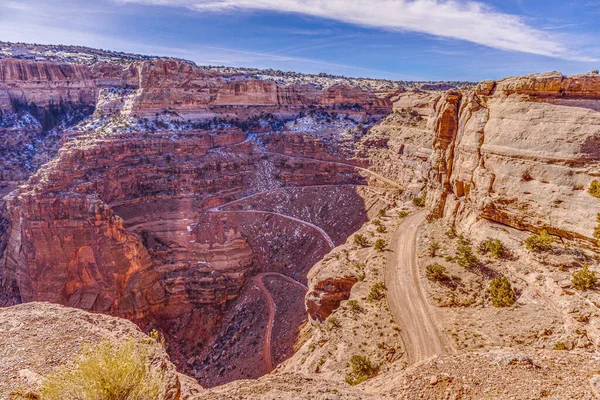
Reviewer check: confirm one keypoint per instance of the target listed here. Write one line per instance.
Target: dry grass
(107, 372)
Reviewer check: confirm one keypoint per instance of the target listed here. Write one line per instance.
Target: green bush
(381, 229)
(106, 372)
(451, 232)
(436, 272)
(463, 240)
(594, 189)
(362, 370)
(376, 222)
(434, 246)
(402, 214)
(421, 200)
(381, 213)
(492, 246)
(353, 306)
(360, 270)
(539, 243)
(501, 293)
(377, 292)
(560, 346)
(360, 240)
(584, 279)
(380, 245)
(332, 323)
(465, 257)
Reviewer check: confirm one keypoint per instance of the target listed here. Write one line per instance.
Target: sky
(393, 39)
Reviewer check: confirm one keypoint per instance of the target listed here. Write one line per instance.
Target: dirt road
(367, 171)
(313, 226)
(267, 346)
(406, 297)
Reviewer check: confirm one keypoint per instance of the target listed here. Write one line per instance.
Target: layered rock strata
(521, 152)
(167, 228)
(141, 218)
(145, 88)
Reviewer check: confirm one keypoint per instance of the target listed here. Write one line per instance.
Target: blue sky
(395, 39)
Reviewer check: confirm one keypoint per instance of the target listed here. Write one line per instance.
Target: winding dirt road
(315, 227)
(365, 170)
(406, 297)
(283, 188)
(267, 346)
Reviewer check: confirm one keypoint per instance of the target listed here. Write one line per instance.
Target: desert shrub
(108, 371)
(402, 214)
(451, 232)
(560, 346)
(463, 240)
(583, 318)
(539, 243)
(465, 257)
(501, 293)
(492, 246)
(594, 189)
(353, 306)
(362, 370)
(381, 229)
(332, 323)
(436, 272)
(380, 245)
(434, 246)
(360, 240)
(381, 213)
(421, 200)
(360, 270)
(597, 229)
(376, 222)
(320, 364)
(377, 292)
(584, 279)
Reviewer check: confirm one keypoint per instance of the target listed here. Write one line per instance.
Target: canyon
(162, 208)
(271, 231)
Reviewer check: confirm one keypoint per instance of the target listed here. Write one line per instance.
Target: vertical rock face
(43, 83)
(67, 246)
(76, 252)
(445, 124)
(521, 152)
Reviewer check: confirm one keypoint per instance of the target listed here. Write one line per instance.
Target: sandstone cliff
(521, 152)
(145, 88)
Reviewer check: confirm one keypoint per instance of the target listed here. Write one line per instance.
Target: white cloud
(465, 20)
